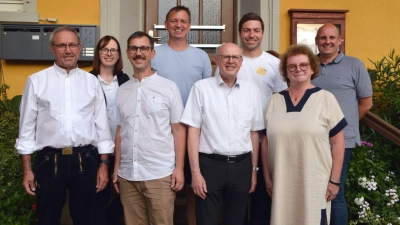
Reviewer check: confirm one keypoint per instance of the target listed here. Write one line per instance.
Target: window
(305, 23)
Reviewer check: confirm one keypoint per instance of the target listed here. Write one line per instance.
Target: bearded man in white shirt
(224, 115)
(150, 142)
(63, 119)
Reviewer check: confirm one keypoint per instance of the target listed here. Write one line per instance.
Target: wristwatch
(255, 168)
(105, 161)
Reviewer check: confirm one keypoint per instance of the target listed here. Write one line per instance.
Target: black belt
(227, 158)
(68, 150)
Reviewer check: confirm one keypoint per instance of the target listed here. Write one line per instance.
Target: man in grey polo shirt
(348, 80)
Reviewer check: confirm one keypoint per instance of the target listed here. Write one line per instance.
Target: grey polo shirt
(348, 80)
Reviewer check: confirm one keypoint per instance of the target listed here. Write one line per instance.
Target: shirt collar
(144, 79)
(61, 70)
(338, 58)
(220, 82)
(102, 81)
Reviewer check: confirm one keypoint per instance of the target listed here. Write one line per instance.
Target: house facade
(371, 30)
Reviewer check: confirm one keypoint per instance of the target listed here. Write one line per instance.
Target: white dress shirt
(225, 115)
(110, 91)
(63, 110)
(145, 112)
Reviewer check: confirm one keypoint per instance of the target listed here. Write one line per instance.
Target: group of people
(172, 126)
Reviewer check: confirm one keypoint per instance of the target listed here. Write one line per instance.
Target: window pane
(211, 16)
(163, 7)
(194, 6)
(306, 35)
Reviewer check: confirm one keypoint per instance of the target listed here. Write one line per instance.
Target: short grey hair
(64, 28)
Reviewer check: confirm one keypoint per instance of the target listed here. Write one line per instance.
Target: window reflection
(306, 35)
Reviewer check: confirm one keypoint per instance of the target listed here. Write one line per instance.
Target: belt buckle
(231, 157)
(67, 151)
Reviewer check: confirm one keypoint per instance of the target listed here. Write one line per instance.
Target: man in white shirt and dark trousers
(150, 142)
(63, 119)
(224, 115)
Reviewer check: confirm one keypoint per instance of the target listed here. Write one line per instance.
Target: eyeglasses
(134, 49)
(235, 58)
(64, 46)
(105, 51)
(302, 66)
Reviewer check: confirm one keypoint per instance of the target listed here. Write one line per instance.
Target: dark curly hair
(299, 49)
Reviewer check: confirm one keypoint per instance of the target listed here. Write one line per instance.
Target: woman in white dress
(305, 144)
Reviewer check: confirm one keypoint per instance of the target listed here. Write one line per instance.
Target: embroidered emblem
(262, 71)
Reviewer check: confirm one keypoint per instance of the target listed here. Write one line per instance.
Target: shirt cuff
(105, 147)
(24, 147)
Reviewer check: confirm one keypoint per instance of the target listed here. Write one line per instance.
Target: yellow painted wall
(68, 12)
(371, 25)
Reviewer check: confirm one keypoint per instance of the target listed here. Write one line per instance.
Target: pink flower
(366, 143)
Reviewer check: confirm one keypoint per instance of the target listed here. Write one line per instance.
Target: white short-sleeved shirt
(225, 115)
(145, 111)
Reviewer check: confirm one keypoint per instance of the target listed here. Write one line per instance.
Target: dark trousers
(54, 174)
(227, 183)
(339, 211)
(108, 213)
(260, 202)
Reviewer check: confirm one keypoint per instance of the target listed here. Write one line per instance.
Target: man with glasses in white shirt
(63, 119)
(224, 115)
(150, 142)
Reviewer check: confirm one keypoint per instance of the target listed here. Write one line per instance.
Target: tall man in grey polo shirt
(348, 80)
(224, 115)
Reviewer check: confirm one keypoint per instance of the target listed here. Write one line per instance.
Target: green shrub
(373, 180)
(16, 207)
(372, 190)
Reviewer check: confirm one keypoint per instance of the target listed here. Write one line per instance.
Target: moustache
(139, 57)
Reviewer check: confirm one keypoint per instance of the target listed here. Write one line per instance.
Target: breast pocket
(244, 117)
(153, 104)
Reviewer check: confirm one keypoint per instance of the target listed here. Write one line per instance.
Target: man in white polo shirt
(150, 142)
(224, 115)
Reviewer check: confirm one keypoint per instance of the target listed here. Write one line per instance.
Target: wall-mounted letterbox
(32, 42)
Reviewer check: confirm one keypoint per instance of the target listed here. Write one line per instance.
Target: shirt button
(134, 160)
(137, 115)
(134, 146)
(138, 100)
(135, 130)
